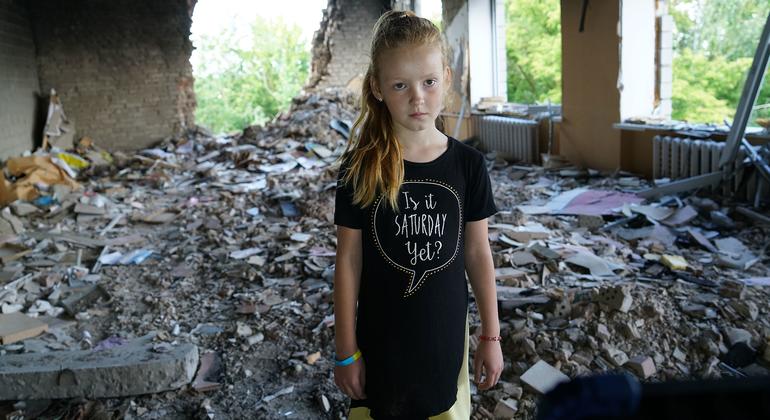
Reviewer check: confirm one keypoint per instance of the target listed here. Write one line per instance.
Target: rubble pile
(604, 283)
(227, 243)
(308, 118)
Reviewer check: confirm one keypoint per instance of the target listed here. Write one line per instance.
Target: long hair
(374, 156)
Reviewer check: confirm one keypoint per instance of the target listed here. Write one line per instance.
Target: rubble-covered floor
(228, 243)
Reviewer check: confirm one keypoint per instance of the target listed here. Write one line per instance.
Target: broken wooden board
(73, 239)
(507, 273)
(525, 233)
(10, 252)
(513, 297)
(16, 327)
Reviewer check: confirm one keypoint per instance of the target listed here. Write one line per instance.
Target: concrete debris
(543, 377)
(641, 366)
(209, 369)
(506, 409)
(737, 335)
(131, 369)
(227, 243)
(615, 298)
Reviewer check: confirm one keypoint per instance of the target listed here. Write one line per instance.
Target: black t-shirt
(413, 298)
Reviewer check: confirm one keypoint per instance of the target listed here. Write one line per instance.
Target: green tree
(247, 80)
(714, 45)
(719, 28)
(533, 44)
(707, 89)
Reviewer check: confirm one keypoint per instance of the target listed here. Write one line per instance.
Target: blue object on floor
(44, 201)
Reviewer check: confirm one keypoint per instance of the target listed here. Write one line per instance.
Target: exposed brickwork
(121, 67)
(18, 79)
(341, 46)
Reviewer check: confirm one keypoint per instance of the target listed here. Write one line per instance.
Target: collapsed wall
(341, 45)
(121, 68)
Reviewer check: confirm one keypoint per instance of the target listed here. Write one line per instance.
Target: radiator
(676, 158)
(513, 139)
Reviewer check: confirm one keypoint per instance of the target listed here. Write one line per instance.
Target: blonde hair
(373, 156)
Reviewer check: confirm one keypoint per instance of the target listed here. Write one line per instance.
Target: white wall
(481, 49)
(482, 24)
(502, 59)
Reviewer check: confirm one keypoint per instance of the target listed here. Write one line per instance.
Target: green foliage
(719, 28)
(247, 80)
(707, 89)
(533, 44)
(714, 45)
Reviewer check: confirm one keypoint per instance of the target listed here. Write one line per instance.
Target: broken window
(533, 44)
(250, 59)
(713, 47)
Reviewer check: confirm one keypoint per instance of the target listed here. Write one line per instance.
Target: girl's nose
(417, 95)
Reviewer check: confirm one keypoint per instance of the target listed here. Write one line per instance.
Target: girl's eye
(431, 82)
(399, 86)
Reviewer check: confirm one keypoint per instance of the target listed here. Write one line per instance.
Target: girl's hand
(489, 361)
(351, 379)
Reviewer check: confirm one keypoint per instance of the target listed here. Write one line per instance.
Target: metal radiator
(512, 138)
(676, 157)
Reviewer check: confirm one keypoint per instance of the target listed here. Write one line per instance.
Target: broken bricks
(78, 299)
(615, 298)
(641, 366)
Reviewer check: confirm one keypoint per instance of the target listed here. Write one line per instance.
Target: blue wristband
(349, 360)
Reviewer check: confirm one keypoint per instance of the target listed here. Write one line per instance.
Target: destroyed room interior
(153, 266)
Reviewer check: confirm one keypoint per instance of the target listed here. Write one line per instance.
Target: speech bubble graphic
(423, 237)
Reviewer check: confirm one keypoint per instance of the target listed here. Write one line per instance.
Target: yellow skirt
(460, 410)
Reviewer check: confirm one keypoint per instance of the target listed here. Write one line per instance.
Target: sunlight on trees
(714, 45)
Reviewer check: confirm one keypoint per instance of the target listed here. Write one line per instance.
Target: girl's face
(412, 82)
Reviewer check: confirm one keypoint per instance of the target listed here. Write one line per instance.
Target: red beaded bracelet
(488, 338)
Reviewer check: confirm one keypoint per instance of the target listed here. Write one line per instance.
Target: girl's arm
(481, 270)
(347, 280)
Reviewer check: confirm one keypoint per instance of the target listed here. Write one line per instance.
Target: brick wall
(345, 40)
(18, 79)
(121, 67)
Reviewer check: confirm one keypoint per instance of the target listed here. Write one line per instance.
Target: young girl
(411, 215)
